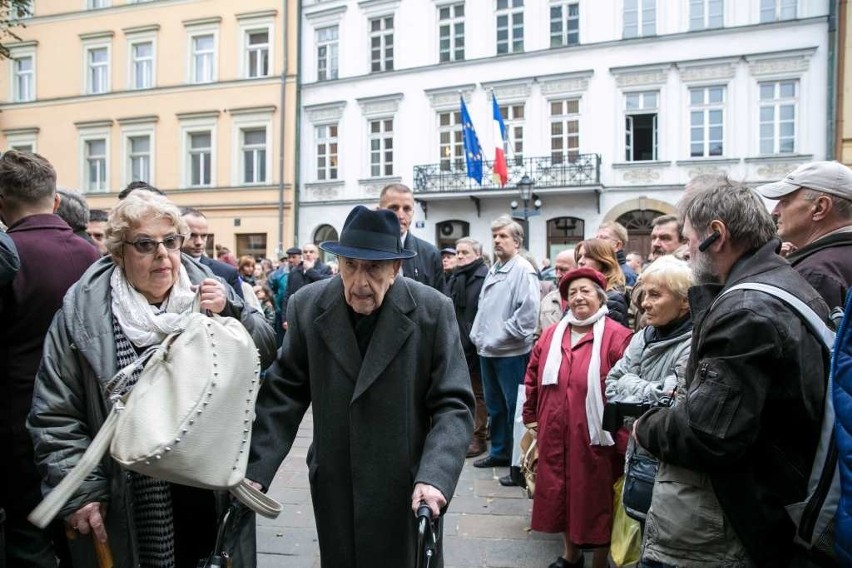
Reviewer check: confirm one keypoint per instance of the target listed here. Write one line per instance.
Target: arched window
(325, 233)
(563, 233)
(638, 225)
(448, 232)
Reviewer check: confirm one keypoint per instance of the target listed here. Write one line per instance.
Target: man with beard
(748, 428)
(463, 287)
(666, 236)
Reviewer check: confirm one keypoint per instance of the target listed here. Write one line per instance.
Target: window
(640, 18)
(22, 148)
(95, 4)
(706, 121)
(513, 119)
(139, 158)
(564, 130)
(142, 65)
(451, 33)
(381, 147)
(640, 129)
(510, 26)
(22, 140)
(251, 244)
(326, 136)
(706, 14)
(381, 44)
(451, 145)
(95, 155)
(203, 58)
(564, 24)
(200, 158)
(327, 66)
(775, 10)
(24, 81)
(778, 102)
(97, 70)
(253, 150)
(257, 53)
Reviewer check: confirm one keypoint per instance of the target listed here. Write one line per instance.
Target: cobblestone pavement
(487, 525)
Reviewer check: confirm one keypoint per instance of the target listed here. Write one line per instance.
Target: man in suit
(426, 267)
(196, 246)
(307, 270)
(377, 357)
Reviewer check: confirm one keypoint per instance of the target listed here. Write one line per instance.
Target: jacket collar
(39, 222)
(835, 239)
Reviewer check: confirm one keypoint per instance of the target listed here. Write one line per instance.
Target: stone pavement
(487, 525)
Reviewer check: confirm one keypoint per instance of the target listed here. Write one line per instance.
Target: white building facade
(610, 107)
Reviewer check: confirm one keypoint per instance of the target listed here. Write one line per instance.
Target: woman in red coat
(578, 462)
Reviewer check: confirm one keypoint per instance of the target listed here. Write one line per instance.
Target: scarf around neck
(594, 396)
(143, 323)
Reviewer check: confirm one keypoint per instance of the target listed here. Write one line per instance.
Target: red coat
(574, 479)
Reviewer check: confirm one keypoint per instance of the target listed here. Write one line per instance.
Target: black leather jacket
(751, 419)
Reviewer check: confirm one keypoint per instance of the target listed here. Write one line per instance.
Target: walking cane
(102, 550)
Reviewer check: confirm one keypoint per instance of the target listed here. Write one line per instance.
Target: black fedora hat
(369, 235)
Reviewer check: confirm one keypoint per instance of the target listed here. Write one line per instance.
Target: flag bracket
(478, 204)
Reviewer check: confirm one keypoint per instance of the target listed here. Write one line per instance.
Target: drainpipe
(282, 132)
(840, 105)
(297, 127)
(833, 74)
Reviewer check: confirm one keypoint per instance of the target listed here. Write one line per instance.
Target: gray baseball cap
(827, 177)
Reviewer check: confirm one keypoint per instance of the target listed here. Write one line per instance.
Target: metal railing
(545, 172)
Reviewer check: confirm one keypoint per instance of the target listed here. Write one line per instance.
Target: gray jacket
(508, 310)
(69, 406)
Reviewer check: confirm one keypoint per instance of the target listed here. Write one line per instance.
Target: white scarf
(142, 323)
(594, 397)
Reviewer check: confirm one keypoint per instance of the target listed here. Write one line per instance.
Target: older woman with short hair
(123, 304)
(578, 461)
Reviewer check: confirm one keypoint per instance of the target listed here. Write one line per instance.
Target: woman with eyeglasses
(125, 303)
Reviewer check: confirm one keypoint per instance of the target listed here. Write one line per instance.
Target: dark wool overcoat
(400, 415)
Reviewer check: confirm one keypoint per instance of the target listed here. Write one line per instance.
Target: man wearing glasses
(196, 246)
(52, 258)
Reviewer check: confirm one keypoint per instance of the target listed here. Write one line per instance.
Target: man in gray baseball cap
(814, 215)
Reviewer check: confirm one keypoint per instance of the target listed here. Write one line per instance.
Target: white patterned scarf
(142, 323)
(594, 396)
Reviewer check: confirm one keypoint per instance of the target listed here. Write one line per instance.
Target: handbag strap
(257, 501)
(47, 510)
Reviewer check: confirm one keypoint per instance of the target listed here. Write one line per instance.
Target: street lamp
(524, 186)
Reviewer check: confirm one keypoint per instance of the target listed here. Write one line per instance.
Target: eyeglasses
(149, 246)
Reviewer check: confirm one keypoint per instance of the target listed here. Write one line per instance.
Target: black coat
(827, 266)
(463, 289)
(426, 267)
(756, 381)
(299, 277)
(226, 272)
(399, 415)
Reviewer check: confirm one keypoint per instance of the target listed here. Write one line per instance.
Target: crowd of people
(415, 359)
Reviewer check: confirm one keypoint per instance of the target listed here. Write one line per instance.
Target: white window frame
(88, 47)
(646, 26)
(564, 118)
(194, 32)
(18, 139)
(776, 103)
(455, 143)
(699, 16)
(627, 144)
(565, 18)
(327, 141)
(89, 135)
(15, 54)
(135, 131)
(250, 121)
(513, 123)
(247, 27)
(332, 53)
(780, 10)
(382, 137)
(385, 63)
(705, 108)
(450, 24)
(197, 126)
(132, 42)
(512, 9)
(96, 4)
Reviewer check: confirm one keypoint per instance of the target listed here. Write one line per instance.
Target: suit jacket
(426, 267)
(400, 415)
(225, 271)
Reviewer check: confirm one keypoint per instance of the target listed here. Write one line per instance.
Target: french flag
(500, 171)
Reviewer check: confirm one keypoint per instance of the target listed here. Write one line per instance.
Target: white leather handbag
(188, 418)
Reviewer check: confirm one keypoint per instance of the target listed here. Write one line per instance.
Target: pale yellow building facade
(187, 95)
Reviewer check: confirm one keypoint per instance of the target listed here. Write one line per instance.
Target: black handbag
(639, 473)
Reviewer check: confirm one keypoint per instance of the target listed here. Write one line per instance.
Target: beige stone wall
(62, 114)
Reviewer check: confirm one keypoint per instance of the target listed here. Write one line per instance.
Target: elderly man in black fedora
(380, 359)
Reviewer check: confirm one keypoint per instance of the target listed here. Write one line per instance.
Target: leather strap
(257, 501)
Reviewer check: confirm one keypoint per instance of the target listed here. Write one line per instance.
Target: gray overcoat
(399, 416)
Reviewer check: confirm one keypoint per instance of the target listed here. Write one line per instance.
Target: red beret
(582, 272)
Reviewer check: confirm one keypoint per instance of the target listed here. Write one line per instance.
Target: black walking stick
(428, 533)
(219, 557)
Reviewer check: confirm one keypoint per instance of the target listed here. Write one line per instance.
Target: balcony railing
(546, 172)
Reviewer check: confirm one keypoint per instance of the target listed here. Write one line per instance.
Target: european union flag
(472, 149)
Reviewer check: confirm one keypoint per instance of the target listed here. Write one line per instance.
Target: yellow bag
(626, 541)
(529, 460)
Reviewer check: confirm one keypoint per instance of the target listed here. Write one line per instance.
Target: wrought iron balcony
(546, 172)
